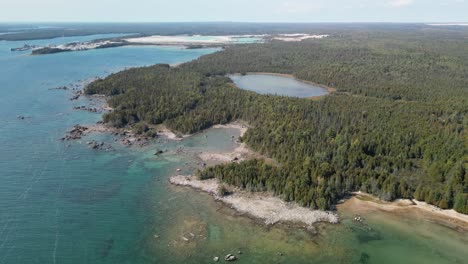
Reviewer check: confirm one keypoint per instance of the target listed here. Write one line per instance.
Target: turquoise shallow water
(62, 202)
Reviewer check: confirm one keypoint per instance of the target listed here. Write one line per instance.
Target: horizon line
(240, 22)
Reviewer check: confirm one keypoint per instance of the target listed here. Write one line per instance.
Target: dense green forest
(395, 128)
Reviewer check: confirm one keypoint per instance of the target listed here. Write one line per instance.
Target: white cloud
(400, 3)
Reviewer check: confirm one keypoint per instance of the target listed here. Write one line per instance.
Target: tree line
(395, 127)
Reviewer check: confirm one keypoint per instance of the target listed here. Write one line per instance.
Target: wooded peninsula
(395, 127)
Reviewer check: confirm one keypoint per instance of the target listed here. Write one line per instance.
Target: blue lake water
(62, 202)
(276, 85)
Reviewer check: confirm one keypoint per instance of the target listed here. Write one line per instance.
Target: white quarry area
(194, 39)
(298, 37)
(84, 45)
(230, 39)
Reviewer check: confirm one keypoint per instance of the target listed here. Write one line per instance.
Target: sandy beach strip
(167, 133)
(365, 201)
(162, 130)
(264, 206)
(236, 125)
(241, 153)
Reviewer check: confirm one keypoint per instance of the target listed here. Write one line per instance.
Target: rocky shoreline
(125, 136)
(98, 104)
(264, 206)
(260, 206)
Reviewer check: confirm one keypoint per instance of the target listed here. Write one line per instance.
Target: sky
(234, 10)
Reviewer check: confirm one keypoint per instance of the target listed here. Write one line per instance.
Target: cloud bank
(400, 3)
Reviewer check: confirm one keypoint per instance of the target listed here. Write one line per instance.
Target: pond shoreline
(329, 89)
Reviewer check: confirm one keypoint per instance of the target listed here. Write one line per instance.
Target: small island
(78, 46)
(25, 47)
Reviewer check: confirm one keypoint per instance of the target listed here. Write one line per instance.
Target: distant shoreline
(448, 24)
(54, 50)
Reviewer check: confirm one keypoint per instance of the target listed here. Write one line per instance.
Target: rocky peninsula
(264, 206)
(258, 205)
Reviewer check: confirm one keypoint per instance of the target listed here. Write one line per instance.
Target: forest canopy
(395, 128)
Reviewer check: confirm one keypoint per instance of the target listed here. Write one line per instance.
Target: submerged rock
(22, 117)
(230, 257)
(76, 133)
(99, 145)
(89, 109)
(216, 259)
(59, 88)
(358, 219)
(158, 152)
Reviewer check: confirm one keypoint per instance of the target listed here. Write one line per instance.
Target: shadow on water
(365, 234)
(364, 259)
(106, 248)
